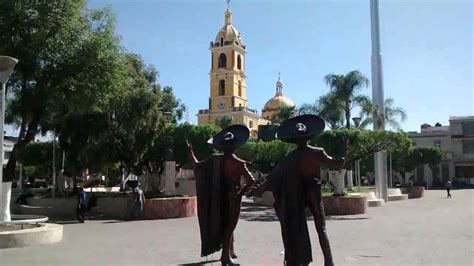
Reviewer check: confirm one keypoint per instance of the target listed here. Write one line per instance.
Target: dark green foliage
(68, 62)
(360, 143)
(284, 114)
(263, 156)
(198, 135)
(224, 121)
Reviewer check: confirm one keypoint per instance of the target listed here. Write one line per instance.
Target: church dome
(228, 34)
(276, 103)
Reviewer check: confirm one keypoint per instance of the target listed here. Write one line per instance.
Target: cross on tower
(228, 3)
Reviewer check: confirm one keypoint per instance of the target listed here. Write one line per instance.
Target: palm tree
(285, 113)
(224, 121)
(329, 108)
(345, 88)
(392, 115)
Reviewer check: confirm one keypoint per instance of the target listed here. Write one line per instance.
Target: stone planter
(414, 192)
(166, 208)
(23, 235)
(266, 199)
(345, 205)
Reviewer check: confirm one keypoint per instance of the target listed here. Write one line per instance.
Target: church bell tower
(227, 79)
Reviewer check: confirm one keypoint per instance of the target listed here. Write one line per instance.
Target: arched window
(239, 62)
(221, 87)
(240, 88)
(250, 124)
(222, 61)
(222, 41)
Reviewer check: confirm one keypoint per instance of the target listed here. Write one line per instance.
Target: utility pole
(380, 158)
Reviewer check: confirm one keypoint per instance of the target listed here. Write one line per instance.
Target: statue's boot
(227, 261)
(232, 251)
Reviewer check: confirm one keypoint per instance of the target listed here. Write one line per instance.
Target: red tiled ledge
(167, 208)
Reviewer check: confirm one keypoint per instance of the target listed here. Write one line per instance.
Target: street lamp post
(7, 64)
(380, 159)
(356, 121)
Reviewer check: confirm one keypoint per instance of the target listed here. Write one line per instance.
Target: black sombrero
(230, 137)
(300, 128)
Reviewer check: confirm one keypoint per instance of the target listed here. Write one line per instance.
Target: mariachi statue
(219, 191)
(296, 184)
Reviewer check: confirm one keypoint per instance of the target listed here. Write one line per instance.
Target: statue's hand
(189, 144)
(254, 191)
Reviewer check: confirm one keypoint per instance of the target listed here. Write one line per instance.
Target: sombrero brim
(230, 137)
(288, 131)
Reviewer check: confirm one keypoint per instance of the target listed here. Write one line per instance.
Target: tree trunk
(25, 137)
(6, 198)
(348, 116)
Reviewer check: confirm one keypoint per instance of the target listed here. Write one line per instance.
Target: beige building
(228, 90)
(457, 142)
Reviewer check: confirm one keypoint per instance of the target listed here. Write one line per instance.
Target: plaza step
(372, 200)
(396, 194)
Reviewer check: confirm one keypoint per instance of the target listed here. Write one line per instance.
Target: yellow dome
(275, 104)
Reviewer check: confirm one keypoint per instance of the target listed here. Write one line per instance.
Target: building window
(212, 61)
(239, 62)
(468, 147)
(468, 128)
(222, 61)
(7, 155)
(221, 87)
(222, 41)
(437, 143)
(240, 89)
(250, 124)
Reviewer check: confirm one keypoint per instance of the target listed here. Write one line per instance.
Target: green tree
(68, 61)
(391, 116)
(263, 156)
(224, 121)
(37, 157)
(285, 113)
(329, 108)
(361, 144)
(198, 135)
(345, 88)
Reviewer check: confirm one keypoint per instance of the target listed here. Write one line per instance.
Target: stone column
(170, 177)
(349, 179)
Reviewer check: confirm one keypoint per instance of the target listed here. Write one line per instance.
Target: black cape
(289, 191)
(209, 189)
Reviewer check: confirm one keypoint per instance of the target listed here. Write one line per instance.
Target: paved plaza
(428, 231)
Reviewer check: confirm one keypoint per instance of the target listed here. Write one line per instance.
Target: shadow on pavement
(335, 218)
(63, 221)
(204, 262)
(257, 213)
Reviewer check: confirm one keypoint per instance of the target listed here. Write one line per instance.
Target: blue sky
(427, 48)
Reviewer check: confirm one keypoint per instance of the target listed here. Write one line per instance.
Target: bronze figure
(296, 185)
(219, 191)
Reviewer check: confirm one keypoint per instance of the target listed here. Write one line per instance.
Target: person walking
(81, 205)
(138, 201)
(449, 185)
